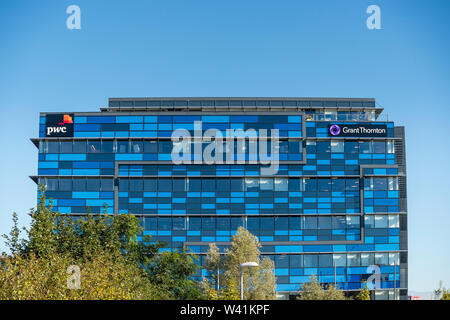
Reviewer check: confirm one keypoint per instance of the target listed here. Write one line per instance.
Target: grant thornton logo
(335, 130)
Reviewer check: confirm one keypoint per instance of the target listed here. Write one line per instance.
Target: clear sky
(313, 48)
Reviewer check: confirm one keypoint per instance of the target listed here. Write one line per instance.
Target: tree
(259, 282)
(364, 293)
(442, 293)
(173, 272)
(113, 264)
(313, 290)
(214, 263)
(230, 291)
(103, 277)
(13, 241)
(209, 291)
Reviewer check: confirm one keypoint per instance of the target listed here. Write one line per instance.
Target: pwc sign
(59, 125)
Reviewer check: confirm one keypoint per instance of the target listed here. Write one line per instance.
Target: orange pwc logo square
(67, 119)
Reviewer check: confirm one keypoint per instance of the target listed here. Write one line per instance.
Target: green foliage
(173, 271)
(103, 277)
(313, 290)
(259, 282)
(114, 265)
(442, 293)
(364, 294)
(230, 291)
(13, 241)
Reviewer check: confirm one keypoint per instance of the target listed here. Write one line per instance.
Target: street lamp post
(242, 266)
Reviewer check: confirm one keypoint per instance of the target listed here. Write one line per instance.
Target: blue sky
(236, 48)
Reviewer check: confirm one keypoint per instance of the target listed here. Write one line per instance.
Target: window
(208, 185)
(281, 223)
(352, 185)
(310, 222)
(222, 185)
(179, 185)
(393, 221)
(107, 146)
(150, 184)
(194, 185)
(324, 222)
(195, 223)
(353, 221)
(266, 184)
(179, 223)
(93, 184)
(394, 258)
(52, 147)
(236, 223)
(381, 221)
(208, 223)
(296, 261)
(295, 184)
(79, 185)
(338, 223)
(323, 146)
(367, 259)
(339, 260)
(311, 261)
(281, 184)
(137, 146)
(351, 147)
(253, 224)
(369, 221)
(79, 147)
(42, 147)
(353, 260)
(164, 223)
(267, 223)
(324, 185)
(338, 185)
(223, 223)
(389, 146)
(164, 185)
(123, 147)
(325, 260)
(66, 147)
(237, 185)
(151, 223)
(107, 185)
(65, 185)
(251, 184)
(381, 258)
(136, 185)
(337, 146)
(282, 261)
(165, 146)
(379, 147)
(150, 147)
(295, 147)
(93, 147)
(379, 184)
(123, 185)
(392, 183)
(310, 184)
(365, 147)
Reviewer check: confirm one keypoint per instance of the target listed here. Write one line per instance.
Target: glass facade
(335, 206)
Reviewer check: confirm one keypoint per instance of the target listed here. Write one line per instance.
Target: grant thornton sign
(357, 130)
